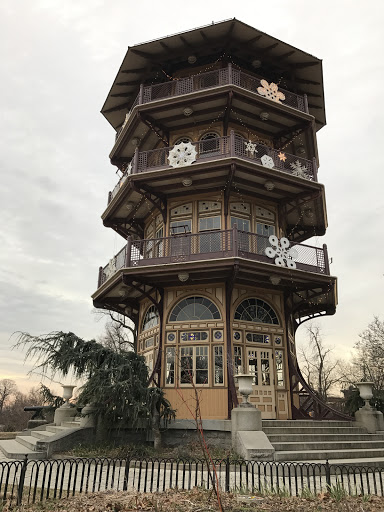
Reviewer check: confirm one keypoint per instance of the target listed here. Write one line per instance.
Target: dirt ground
(199, 501)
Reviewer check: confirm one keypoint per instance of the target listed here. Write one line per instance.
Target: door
(260, 365)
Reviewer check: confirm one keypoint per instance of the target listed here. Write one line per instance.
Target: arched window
(151, 318)
(194, 308)
(182, 139)
(256, 310)
(209, 144)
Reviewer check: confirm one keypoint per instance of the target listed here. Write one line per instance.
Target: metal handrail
(208, 245)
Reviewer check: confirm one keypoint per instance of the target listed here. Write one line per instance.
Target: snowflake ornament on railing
(182, 154)
(250, 147)
(111, 268)
(300, 170)
(283, 254)
(270, 91)
(267, 161)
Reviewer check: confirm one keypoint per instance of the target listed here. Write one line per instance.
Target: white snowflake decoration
(129, 169)
(270, 91)
(111, 268)
(182, 154)
(284, 256)
(250, 147)
(267, 161)
(300, 170)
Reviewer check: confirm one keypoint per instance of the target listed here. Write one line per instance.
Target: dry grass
(200, 501)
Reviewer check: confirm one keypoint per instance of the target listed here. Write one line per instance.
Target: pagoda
(218, 193)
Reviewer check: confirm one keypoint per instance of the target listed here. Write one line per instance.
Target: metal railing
(223, 147)
(30, 481)
(208, 245)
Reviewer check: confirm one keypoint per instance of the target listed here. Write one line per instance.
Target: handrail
(223, 147)
(216, 78)
(208, 245)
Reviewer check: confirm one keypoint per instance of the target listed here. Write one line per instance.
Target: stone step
(29, 442)
(316, 455)
(71, 424)
(15, 450)
(328, 445)
(307, 423)
(41, 434)
(315, 430)
(55, 429)
(304, 438)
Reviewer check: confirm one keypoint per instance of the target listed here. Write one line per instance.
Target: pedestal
(88, 420)
(370, 418)
(248, 439)
(63, 414)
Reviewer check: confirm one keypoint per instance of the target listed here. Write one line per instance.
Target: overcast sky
(58, 61)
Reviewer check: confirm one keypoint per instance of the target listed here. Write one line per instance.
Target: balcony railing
(208, 245)
(219, 77)
(223, 147)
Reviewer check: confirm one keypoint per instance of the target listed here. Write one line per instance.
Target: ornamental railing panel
(223, 147)
(206, 246)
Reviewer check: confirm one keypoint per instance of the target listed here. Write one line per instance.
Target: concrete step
(307, 423)
(316, 455)
(55, 429)
(315, 430)
(15, 450)
(41, 434)
(328, 445)
(71, 424)
(29, 442)
(304, 438)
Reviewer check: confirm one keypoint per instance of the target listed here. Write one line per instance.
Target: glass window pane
(219, 374)
(170, 366)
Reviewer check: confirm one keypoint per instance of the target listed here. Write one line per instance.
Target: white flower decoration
(267, 161)
(182, 154)
(300, 170)
(270, 91)
(250, 147)
(284, 256)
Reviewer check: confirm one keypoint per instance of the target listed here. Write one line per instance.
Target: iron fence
(223, 147)
(209, 245)
(31, 481)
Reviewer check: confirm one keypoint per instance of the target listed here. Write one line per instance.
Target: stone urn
(67, 394)
(366, 392)
(245, 388)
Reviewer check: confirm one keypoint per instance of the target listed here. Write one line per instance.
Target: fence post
(227, 473)
(235, 240)
(22, 480)
(126, 474)
(109, 197)
(128, 253)
(232, 143)
(327, 473)
(135, 161)
(141, 94)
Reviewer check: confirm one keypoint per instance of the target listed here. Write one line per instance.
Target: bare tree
(368, 364)
(321, 370)
(7, 389)
(120, 331)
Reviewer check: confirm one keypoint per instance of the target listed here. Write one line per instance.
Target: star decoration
(251, 147)
(282, 156)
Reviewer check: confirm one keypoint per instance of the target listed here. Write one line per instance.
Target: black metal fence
(30, 481)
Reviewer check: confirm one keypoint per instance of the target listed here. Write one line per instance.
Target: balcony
(217, 78)
(220, 148)
(209, 246)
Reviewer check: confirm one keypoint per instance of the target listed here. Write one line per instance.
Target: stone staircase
(340, 442)
(41, 442)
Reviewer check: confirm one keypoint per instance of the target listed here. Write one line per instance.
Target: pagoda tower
(218, 194)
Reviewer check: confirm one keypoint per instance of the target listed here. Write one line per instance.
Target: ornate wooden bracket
(158, 200)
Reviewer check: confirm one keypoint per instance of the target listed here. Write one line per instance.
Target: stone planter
(245, 388)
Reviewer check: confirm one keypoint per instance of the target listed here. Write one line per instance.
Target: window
(194, 336)
(170, 366)
(183, 139)
(242, 224)
(151, 319)
(194, 308)
(256, 310)
(237, 360)
(159, 242)
(209, 144)
(252, 366)
(279, 368)
(194, 365)
(211, 241)
(257, 338)
(179, 227)
(218, 370)
(209, 223)
(265, 369)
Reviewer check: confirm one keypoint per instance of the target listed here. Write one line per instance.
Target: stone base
(371, 419)
(63, 414)
(248, 439)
